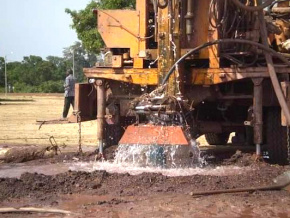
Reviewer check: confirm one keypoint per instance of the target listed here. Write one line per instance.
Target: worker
(69, 92)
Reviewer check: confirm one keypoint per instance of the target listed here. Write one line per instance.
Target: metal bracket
(99, 82)
(257, 81)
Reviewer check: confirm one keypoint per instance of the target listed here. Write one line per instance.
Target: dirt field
(18, 122)
(19, 113)
(59, 183)
(103, 194)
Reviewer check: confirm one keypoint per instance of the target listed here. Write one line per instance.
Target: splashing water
(166, 160)
(173, 156)
(122, 168)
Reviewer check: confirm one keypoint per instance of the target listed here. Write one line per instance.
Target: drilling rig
(174, 70)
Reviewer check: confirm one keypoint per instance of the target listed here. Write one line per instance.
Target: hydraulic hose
(253, 8)
(271, 69)
(222, 41)
(250, 189)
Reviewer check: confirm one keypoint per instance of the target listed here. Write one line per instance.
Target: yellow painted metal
(201, 26)
(208, 76)
(138, 63)
(127, 29)
(213, 51)
(212, 76)
(177, 82)
(124, 28)
(164, 50)
(134, 76)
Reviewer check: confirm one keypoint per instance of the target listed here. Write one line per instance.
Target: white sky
(36, 27)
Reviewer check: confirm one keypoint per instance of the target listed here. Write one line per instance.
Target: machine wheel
(276, 136)
(217, 138)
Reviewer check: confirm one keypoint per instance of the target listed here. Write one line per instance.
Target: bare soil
(18, 116)
(103, 194)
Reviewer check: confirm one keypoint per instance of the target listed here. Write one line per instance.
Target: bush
(46, 87)
(21, 87)
(52, 87)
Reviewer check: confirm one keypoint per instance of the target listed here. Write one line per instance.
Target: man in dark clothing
(69, 92)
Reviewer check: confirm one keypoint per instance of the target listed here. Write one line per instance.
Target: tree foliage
(34, 74)
(83, 59)
(85, 22)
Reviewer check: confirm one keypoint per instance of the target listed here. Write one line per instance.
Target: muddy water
(135, 159)
(172, 172)
(15, 170)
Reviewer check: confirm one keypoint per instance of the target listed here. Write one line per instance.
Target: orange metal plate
(154, 135)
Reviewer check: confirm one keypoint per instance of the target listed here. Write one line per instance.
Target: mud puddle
(16, 170)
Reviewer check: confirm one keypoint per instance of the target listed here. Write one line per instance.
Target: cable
(223, 41)
(253, 8)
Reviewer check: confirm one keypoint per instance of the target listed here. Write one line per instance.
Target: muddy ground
(103, 194)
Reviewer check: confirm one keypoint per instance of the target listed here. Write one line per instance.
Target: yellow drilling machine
(174, 70)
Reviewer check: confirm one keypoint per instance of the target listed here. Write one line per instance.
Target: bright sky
(36, 27)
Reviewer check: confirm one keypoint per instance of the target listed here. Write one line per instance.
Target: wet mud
(103, 183)
(103, 194)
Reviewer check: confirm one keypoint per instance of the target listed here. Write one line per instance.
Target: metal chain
(54, 145)
(79, 120)
(288, 143)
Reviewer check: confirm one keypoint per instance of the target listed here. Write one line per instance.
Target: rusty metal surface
(85, 102)
(197, 76)
(101, 111)
(128, 25)
(222, 75)
(286, 91)
(165, 52)
(154, 135)
(133, 76)
(258, 111)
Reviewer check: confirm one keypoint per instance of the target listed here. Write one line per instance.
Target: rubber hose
(221, 41)
(251, 189)
(253, 8)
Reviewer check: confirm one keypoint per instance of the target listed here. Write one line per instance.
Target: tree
(85, 22)
(82, 58)
(60, 64)
(34, 74)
